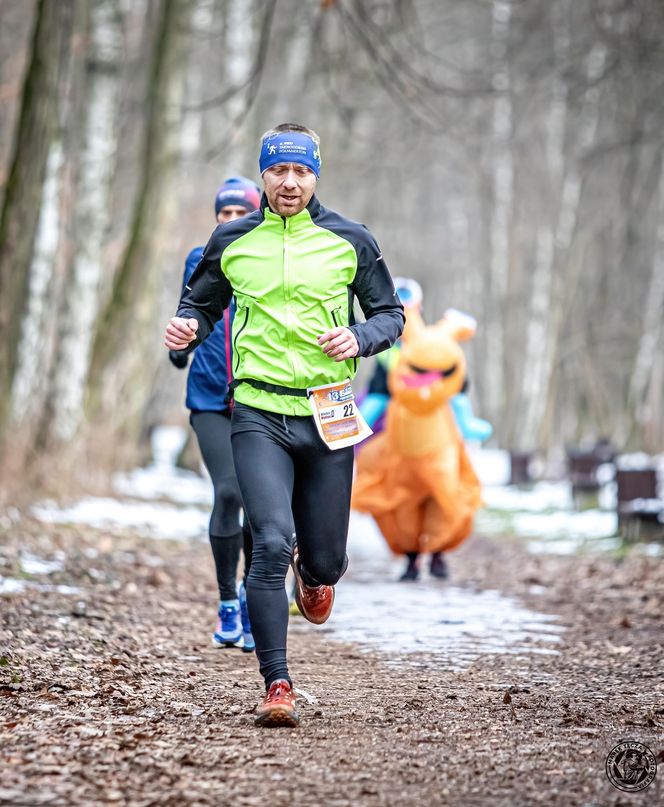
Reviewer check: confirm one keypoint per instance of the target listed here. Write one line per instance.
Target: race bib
(338, 420)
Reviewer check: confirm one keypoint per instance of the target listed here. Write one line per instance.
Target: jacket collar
(313, 207)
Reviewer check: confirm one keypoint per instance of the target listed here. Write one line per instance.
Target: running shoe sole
(217, 643)
(279, 717)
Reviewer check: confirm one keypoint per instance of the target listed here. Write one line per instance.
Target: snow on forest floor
(111, 693)
(161, 501)
(509, 684)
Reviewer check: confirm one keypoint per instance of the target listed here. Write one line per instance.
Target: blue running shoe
(248, 640)
(229, 627)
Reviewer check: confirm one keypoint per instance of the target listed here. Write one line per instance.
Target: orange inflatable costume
(415, 478)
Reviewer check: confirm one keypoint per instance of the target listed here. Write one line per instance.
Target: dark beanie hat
(238, 191)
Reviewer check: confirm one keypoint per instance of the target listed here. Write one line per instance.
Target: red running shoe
(314, 603)
(278, 706)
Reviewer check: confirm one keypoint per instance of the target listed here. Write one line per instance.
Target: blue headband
(289, 147)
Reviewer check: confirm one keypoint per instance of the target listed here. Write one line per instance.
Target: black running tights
(291, 484)
(213, 430)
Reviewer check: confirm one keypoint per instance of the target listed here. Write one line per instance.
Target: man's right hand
(180, 333)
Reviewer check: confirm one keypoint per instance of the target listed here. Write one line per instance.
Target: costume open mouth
(423, 377)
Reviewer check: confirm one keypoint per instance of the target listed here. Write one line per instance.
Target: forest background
(506, 153)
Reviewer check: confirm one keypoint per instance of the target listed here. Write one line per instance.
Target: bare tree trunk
(82, 295)
(541, 301)
(503, 192)
(563, 268)
(17, 21)
(53, 246)
(651, 343)
(127, 342)
(30, 379)
(36, 131)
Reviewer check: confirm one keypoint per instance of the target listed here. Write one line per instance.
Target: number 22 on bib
(338, 420)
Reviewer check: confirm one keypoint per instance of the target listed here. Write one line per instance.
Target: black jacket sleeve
(208, 291)
(378, 300)
(178, 358)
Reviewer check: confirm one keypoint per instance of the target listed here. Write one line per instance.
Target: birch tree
(82, 294)
(565, 229)
(538, 352)
(647, 365)
(503, 192)
(123, 357)
(36, 132)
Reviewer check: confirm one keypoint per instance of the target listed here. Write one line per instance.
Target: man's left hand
(339, 344)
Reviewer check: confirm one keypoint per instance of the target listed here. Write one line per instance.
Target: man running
(294, 268)
(207, 400)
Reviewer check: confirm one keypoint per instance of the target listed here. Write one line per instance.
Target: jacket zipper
(237, 336)
(287, 298)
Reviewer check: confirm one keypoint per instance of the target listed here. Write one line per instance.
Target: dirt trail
(113, 695)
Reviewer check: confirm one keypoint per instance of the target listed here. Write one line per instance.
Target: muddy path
(110, 692)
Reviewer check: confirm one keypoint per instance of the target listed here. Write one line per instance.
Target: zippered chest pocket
(337, 312)
(336, 308)
(240, 322)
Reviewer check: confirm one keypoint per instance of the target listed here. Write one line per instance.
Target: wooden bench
(520, 467)
(640, 509)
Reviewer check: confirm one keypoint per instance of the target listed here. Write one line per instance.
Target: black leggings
(213, 430)
(291, 484)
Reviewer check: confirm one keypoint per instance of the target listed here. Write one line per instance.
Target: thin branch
(257, 68)
(396, 65)
(252, 82)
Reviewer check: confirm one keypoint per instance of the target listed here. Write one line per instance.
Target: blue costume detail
(207, 383)
(374, 406)
(471, 427)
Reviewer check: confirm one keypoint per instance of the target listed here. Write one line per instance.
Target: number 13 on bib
(338, 420)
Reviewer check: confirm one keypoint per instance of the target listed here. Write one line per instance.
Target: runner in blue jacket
(207, 399)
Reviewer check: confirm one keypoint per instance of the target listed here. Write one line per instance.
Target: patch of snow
(154, 520)
(652, 550)
(549, 526)
(492, 466)
(374, 611)
(31, 564)
(305, 695)
(159, 482)
(10, 585)
(607, 496)
(167, 442)
(585, 524)
(572, 546)
(542, 496)
(427, 616)
(634, 462)
(161, 479)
